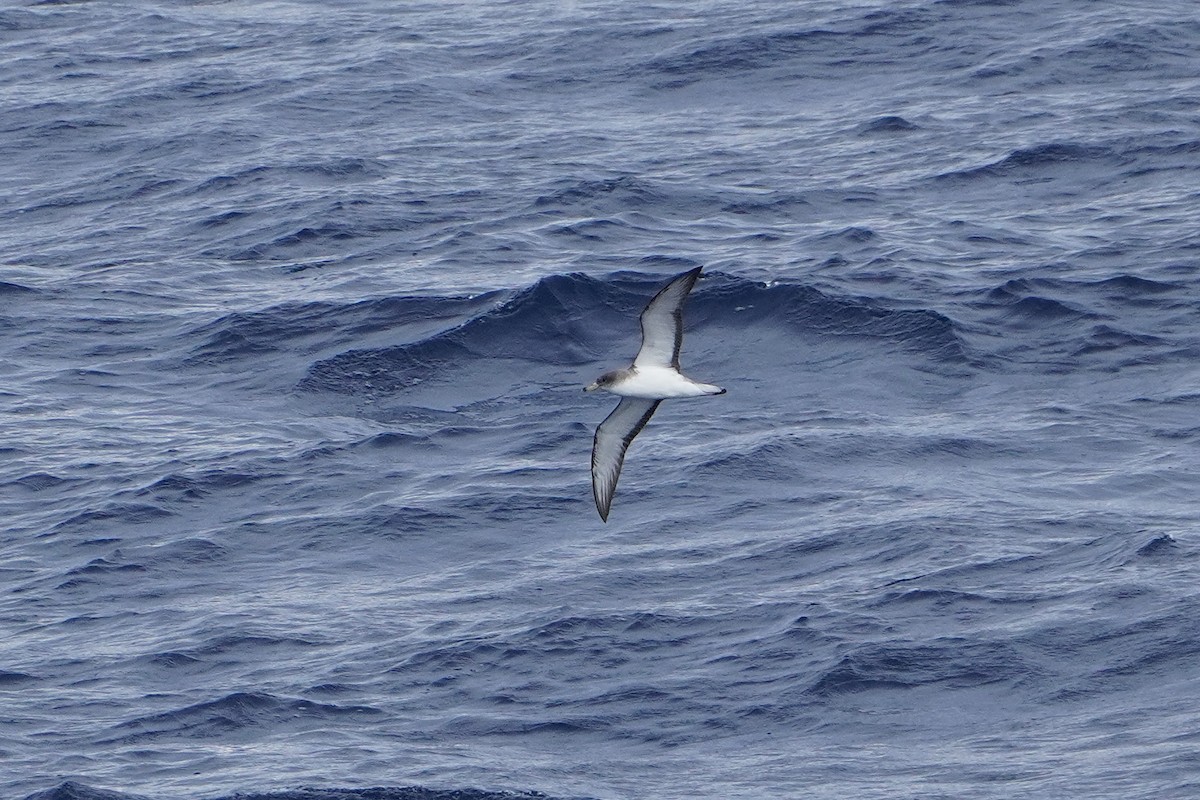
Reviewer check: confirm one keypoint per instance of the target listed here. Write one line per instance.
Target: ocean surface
(297, 300)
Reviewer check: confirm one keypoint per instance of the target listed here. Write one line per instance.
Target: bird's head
(604, 381)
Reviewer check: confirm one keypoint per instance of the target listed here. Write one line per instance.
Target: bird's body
(653, 376)
(658, 383)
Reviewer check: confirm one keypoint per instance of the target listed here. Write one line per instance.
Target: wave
(39, 481)
(618, 194)
(174, 487)
(568, 320)
(333, 171)
(73, 790)
(320, 324)
(1037, 161)
(9, 288)
(831, 46)
(234, 712)
(1110, 322)
(957, 663)
(112, 511)
(887, 124)
(11, 679)
(1119, 288)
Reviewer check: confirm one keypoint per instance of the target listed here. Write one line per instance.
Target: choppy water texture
(297, 300)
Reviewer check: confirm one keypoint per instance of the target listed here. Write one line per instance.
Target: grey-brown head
(606, 380)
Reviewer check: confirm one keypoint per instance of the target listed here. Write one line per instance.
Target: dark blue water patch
(409, 519)
(767, 460)
(1160, 546)
(191, 550)
(842, 44)
(323, 235)
(114, 514)
(172, 661)
(1157, 157)
(954, 663)
(1107, 323)
(853, 235)
(1038, 310)
(386, 370)
(1111, 295)
(10, 290)
(603, 195)
(1129, 287)
(443, 662)
(71, 790)
(286, 234)
(540, 324)
(499, 725)
(100, 571)
(87, 578)
(377, 793)
(1163, 49)
(783, 204)
(743, 53)
(799, 308)
(832, 47)
(1040, 163)
(102, 566)
(223, 218)
(246, 334)
(889, 124)
(595, 230)
(395, 439)
(1106, 339)
(10, 679)
(1022, 305)
(184, 487)
(1118, 652)
(945, 449)
(401, 793)
(561, 643)
(941, 600)
(40, 481)
(235, 714)
(309, 264)
(241, 645)
(513, 505)
(99, 541)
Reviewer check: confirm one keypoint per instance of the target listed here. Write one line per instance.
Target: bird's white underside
(660, 383)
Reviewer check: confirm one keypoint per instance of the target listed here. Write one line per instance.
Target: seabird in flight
(653, 376)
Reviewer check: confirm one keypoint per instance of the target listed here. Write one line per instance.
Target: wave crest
(570, 320)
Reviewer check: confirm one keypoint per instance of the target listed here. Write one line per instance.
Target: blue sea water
(297, 299)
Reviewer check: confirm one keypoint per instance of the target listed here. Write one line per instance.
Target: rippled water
(296, 302)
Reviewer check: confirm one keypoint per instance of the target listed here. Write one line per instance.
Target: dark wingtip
(721, 392)
(692, 274)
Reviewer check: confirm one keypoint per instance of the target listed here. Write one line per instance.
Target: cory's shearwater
(653, 376)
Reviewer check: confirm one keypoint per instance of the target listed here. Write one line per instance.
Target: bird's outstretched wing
(662, 323)
(608, 448)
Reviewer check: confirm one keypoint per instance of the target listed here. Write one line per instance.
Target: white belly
(660, 383)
